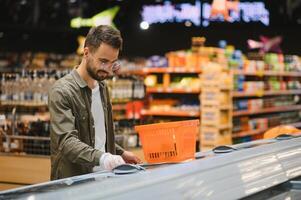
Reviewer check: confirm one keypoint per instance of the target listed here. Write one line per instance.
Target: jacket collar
(78, 79)
(81, 82)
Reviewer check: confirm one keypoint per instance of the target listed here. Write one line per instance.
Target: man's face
(103, 62)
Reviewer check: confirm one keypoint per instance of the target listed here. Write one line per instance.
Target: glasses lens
(115, 66)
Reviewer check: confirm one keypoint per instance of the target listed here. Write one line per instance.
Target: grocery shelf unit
(173, 90)
(172, 93)
(127, 92)
(266, 94)
(23, 157)
(24, 125)
(216, 103)
(24, 144)
(159, 94)
(166, 88)
(259, 94)
(257, 132)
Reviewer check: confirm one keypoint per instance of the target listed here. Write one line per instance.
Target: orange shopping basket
(169, 142)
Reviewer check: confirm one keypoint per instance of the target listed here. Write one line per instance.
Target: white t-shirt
(99, 120)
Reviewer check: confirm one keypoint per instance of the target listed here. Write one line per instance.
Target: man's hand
(131, 158)
(108, 161)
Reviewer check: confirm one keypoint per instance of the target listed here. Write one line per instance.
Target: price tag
(260, 73)
(160, 89)
(169, 89)
(259, 93)
(2, 118)
(192, 113)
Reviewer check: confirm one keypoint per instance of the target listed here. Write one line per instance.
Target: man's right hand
(108, 161)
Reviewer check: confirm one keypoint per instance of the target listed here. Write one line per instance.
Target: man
(82, 135)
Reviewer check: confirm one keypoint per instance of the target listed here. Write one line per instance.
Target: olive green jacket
(72, 127)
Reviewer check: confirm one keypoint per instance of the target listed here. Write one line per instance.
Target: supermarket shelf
(268, 110)
(248, 133)
(226, 107)
(172, 90)
(226, 88)
(118, 107)
(259, 131)
(22, 137)
(267, 73)
(175, 113)
(119, 118)
(116, 101)
(9, 70)
(137, 72)
(221, 127)
(125, 100)
(266, 93)
(19, 104)
(181, 70)
(225, 126)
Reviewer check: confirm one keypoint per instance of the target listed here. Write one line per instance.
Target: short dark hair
(103, 34)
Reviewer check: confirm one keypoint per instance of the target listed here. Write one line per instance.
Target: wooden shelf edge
(248, 133)
(171, 113)
(25, 137)
(118, 107)
(259, 131)
(145, 71)
(265, 93)
(267, 110)
(172, 90)
(7, 104)
(266, 73)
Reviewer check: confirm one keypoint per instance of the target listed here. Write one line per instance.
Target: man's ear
(86, 52)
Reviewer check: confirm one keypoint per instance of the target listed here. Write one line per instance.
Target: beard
(98, 75)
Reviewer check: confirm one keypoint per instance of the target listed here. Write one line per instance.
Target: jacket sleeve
(119, 149)
(64, 134)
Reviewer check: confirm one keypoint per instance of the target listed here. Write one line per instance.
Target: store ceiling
(30, 21)
(38, 13)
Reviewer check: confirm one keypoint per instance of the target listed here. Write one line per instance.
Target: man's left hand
(131, 158)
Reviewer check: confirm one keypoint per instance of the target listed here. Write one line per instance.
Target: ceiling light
(144, 25)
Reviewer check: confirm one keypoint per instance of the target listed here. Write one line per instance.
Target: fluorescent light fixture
(144, 25)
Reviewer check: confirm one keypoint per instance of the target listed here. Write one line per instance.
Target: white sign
(247, 12)
(168, 13)
(177, 13)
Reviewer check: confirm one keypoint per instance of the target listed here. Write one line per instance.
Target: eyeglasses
(110, 67)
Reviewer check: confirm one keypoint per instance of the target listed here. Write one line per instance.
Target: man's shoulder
(65, 84)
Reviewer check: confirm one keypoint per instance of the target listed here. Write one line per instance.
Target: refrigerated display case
(263, 169)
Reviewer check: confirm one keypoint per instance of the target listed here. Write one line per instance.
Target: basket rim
(165, 125)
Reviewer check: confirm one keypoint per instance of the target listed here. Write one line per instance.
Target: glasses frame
(109, 66)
